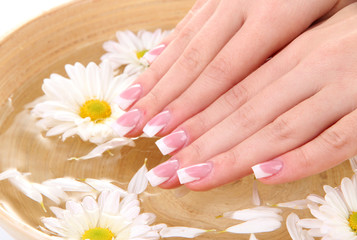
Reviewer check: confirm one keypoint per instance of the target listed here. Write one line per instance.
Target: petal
(253, 213)
(68, 185)
(297, 204)
(26, 188)
(255, 197)
(256, 226)
(184, 232)
(100, 149)
(139, 182)
(101, 185)
(10, 173)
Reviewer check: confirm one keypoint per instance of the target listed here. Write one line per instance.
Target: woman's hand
(293, 117)
(217, 45)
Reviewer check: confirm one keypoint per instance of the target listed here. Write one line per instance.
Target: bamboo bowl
(75, 33)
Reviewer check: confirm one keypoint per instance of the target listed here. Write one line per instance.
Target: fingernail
(194, 173)
(157, 123)
(151, 55)
(172, 142)
(267, 169)
(128, 96)
(126, 122)
(162, 172)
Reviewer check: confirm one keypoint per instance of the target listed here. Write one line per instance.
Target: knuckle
(335, 140)
(237, 96)
(244, 117)
(186, 34)
(190, 59)
(219, 70)
(282, 129)
(304, 159)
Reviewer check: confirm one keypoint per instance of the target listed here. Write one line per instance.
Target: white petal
(139, 182)
(297, 204)
(26, 188)
(350, 193)
(353, 162)
(102, 185)
(317, 199)
(293, 229)
(68, 185)
(310, 223)
(256, 226)
(100, 149)
(252, 237)
(184, 232)
(253, 213)
(53, 193)
(255, 197)
(10, 173)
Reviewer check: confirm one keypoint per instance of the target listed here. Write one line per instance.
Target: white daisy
(336, 213)
(113, 216)
(130, 48)
(82, 105)
(256, 220)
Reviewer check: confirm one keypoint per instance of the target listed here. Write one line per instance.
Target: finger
(193, 11)
(165, 59)
(329, 149)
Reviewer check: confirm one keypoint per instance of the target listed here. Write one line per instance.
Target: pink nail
(151, 55)
(157, 123)
(267, 169)
(172, 142)
(194, 173)
(128, 96)
(126, 122)
(162, 172)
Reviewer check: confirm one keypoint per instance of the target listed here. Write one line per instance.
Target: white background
(13, 14)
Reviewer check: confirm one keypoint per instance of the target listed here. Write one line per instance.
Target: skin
(298, 107)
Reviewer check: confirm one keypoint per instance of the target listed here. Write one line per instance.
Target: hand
(216, 46)
(293, 117)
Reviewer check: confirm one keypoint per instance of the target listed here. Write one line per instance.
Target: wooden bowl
(75, 33)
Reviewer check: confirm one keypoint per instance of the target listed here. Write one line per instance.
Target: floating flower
(336, 213)
(256, 220)
(83, 105)
(130, 48)
(114, 215)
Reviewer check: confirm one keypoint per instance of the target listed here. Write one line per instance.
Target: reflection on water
(24, 147)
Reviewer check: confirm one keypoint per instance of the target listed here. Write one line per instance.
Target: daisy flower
(129, 49)
(256, 220)
(336, 213)
(113, 216)
(82, 104)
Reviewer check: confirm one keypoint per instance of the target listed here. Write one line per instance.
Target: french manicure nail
(126, 122)
(194, 173)
(267, 169)
(157, 123)
(171, 142)
(151, 55)
(128, 96)
(162, 172)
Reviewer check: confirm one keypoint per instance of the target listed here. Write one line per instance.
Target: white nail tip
(154, 179)
(123, 103)
(121, 130)
(164, 149)
(184, 177)
(152, 130)
(259, 173)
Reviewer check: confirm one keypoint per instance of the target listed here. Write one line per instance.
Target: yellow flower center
(98, 234)
(95, 109)
(140, 54)
(353, 221)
